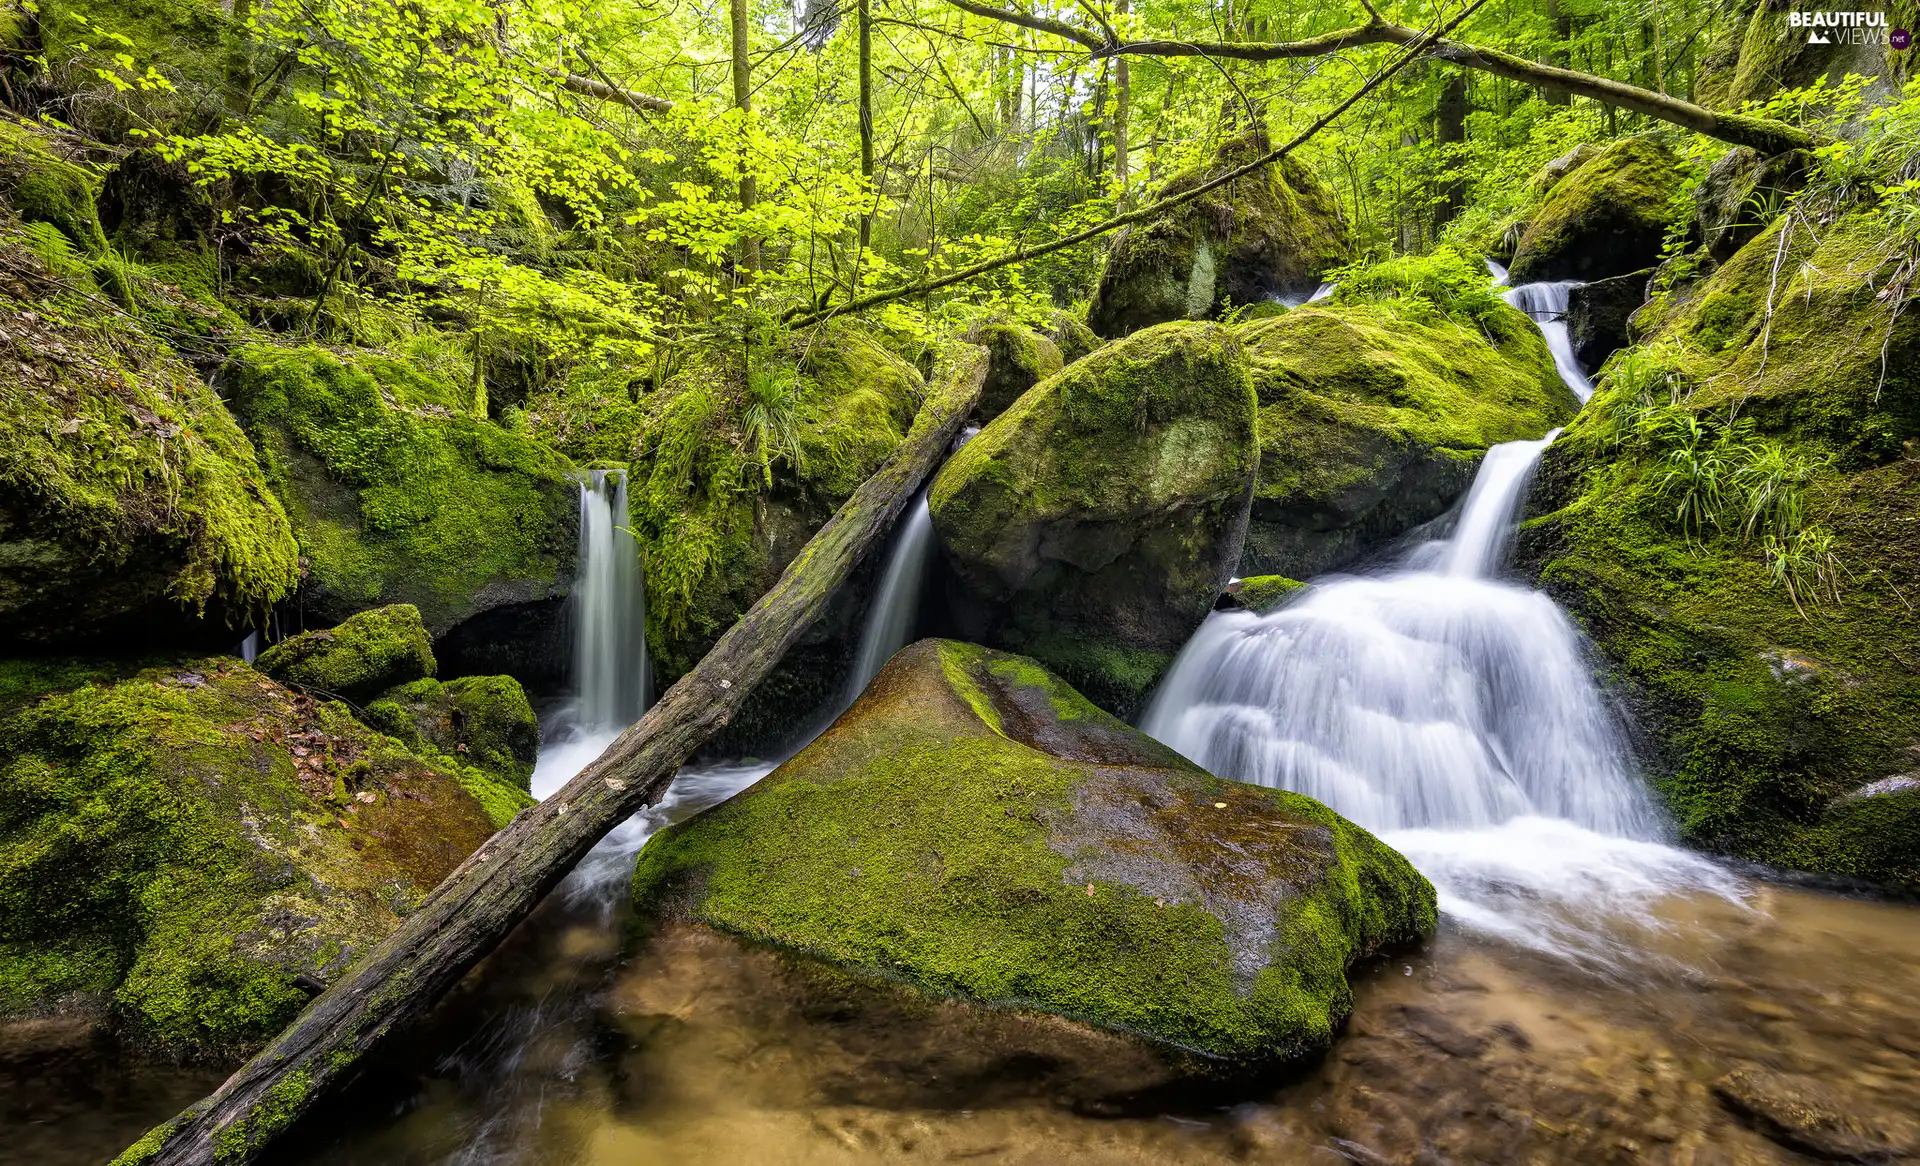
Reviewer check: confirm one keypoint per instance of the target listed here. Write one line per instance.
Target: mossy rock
(1261, 594)
(1373, 417)
(191, 853)
(131, 504)
(1599, 316)
(1070, 334)
(43, 187)
(1762, 55)
(361, 656)
(1606, 218)
(1094, 522)
(1762, 720)
(1017, 359)
(976, 828)
(400, 489)
(1272, 233)
(485, 721)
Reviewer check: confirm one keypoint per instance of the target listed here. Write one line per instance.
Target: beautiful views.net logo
(1847, 28)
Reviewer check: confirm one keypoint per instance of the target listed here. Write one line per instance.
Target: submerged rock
(190, 854)
(1606, 218)
(1273, 233)
(1812, 1115)
(361, 656)
(1373, 417)
(485, 720)
(1762, 709)
(976, 828)
(1093, 523)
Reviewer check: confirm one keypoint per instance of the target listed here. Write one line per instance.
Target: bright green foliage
(958, 830)
(176, 848)
(368, 652)
(1445, 283)
(483, 721)
(399, 492)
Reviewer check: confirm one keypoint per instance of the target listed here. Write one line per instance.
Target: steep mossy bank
(978, 829)
(1376, 405)
(131, 504)
(1736, 519)
(189, 853)
(1093, 523)
(400, 488)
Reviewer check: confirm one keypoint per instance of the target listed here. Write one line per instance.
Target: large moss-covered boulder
(401, 490)
(1373, 417)
(1608, 217)
(1273, 233)
(485, 721)
(131, 504)
(190, 854)
(975, 827)
(1754, 53)
(43, 187)
(1017, 359)
(1762, 633)
(1093, 523)
(359, 657)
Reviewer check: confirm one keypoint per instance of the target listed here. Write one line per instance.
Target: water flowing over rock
(609, 607)
(1546, 305)
(895, 608)
(977, 828)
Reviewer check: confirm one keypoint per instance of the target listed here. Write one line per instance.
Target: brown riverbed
(1782, 1030)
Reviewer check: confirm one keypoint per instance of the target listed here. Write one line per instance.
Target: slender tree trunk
(866, 123)
(1122, 111)
(1450, 130)
(743, 101)
(469, 913)
(1557, 54)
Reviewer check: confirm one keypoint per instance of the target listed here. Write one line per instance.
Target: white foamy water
(608, 608)
(1546, 305)
(1455, 714)
(895, 609)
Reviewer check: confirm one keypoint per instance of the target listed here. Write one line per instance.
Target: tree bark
(470, 912)
(1122, 110)
(1763, 134)
(1557, 56)
(588, 87)
(866, 120)
(1450, 129)
(737, 18)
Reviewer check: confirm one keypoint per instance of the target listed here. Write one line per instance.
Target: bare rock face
(978, 829)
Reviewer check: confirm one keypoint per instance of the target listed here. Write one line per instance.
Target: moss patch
(1264, 593)
(1609, 217)
(485, 721)
(43, 187)
(978, 829)
(369, 652)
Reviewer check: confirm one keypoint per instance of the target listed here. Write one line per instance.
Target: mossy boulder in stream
(1782, 725)
(131, 504)
(977, 828)
(191, 853)
(1607, 218)
(1094, 522)
(362, 655)
(1275, 232)
(485, 721)
(401, 490)
(1375, 407)
(1017, 359)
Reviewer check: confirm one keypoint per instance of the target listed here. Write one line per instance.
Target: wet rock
(361, 656)
(1606, 218)
(1093, 523)
(975, 828)
(1742, 193)
(1814, 1116)
(1259, 593)
(1597, 316)
(1271, 234)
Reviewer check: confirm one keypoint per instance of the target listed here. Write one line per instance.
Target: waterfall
(1498, 273)
(1546, 304)
(896, 605)
(1452, 712)
(609, 609)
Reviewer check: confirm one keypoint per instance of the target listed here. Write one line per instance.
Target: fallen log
(470, 912)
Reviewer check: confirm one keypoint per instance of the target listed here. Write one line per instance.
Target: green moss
(399, 493)
(484, 721)
(1263, 593)
(182, 845)
(42, 187)
(931, 836)
(1609, 217)
(367, 653)
(1017, 359)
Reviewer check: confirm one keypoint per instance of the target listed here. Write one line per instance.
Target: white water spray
(1546, 305)
(1453, 713)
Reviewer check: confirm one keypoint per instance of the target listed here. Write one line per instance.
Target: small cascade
(1294, 301)
(609, 609)
(1322, 292)
(1450, 711)
(896, 604)
(1546, 305)
(1498, 273)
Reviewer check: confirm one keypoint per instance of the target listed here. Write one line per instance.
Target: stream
(1594, 994)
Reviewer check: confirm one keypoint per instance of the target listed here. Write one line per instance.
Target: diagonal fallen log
(469, 913)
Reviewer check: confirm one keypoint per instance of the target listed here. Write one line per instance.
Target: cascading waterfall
(1546, 305)
(896, 605)
(1453, 713)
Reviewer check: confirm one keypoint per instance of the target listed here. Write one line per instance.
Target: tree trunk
(1450, 129)
(1122, 102)
(470, 912)
(737, 17)
(1557, 55)
(866, 128)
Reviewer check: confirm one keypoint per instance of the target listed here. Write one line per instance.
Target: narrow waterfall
(1453, 713)
(1546, 304)
(896, 604)
(609, 625)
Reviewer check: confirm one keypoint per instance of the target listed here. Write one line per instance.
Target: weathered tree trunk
(1450, 129)
(469, 913)
(866, 121)
(1122, 111)
(738, 18)
(1557, 56)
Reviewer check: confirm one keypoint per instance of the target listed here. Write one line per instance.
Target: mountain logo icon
(1816, 37)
